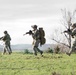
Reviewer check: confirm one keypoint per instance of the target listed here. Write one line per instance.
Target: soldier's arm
(1, 38)
(35, 35)
(68, 32)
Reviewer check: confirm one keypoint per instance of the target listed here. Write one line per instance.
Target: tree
(66, 21)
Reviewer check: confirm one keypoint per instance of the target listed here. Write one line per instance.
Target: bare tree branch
(61, 43)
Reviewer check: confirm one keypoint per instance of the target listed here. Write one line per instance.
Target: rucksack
(42, 36)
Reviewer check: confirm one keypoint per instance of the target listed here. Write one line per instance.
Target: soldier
(6, 39)
(36, 40)
(73, 34)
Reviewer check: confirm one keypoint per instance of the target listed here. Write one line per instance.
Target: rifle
(68, 30)
(30, 32)
(2, 38)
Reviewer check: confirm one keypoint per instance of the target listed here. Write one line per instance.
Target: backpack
(42, 36)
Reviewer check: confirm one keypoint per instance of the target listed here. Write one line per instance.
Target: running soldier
(36, 39)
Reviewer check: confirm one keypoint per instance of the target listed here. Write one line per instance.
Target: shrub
(49, 50)
(57, 49)
(26, 51)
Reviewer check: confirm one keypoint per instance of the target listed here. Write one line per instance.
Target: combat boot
(68, 54)
(41, 53)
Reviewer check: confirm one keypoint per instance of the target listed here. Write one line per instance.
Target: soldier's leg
(36, 45)
(72, 49)
(41, 52)
(35, 50)
(74, 46)
(7, 47)
(10, 50)
(4, 50)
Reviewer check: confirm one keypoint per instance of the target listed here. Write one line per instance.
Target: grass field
(28, 64)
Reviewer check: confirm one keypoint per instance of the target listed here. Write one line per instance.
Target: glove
(30, 32)
(69, 30)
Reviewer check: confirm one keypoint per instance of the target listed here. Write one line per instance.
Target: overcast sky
(17, 16)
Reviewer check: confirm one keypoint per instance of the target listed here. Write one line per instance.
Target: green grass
(28, 64)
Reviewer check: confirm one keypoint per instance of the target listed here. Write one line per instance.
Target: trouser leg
(4, 50)
(73, 49)
(35, 47)
(35, 50)
(39, 50)
(10, 49)
(7, 49)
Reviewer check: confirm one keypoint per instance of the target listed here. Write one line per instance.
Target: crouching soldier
(6, 39)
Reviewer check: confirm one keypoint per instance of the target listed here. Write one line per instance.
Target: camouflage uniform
(6, 38)
(36, 40)
(73, 34)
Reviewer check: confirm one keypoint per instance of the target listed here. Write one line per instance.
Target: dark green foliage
(26, 51)
(49, 50)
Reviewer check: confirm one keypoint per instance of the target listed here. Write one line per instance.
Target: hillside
(22, 47)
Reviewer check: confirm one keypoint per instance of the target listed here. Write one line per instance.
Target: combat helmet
(5, 32)
(34, 26)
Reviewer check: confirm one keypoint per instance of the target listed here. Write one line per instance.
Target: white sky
(17, 16)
